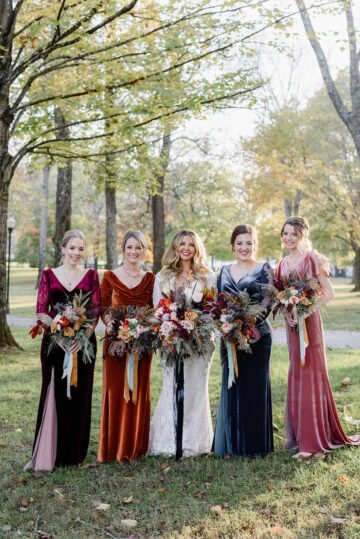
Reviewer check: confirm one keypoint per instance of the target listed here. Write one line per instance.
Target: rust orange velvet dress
(124, 428)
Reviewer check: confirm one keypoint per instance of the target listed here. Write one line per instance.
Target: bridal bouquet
(301, 298)
(130, 338)
(236, 319)
(183, 328)
(129, 331)
(69, 325)
(300, 295)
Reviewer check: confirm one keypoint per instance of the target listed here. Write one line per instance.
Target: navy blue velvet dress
(244, 420)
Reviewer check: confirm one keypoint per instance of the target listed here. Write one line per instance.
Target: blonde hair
(302, 230)
(70, 235)
(172, 262)
(138, 236)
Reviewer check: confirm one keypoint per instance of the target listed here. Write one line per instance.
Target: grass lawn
(204, 497)
(343, 313)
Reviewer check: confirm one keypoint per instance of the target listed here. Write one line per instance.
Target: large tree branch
(354, 74)
(334, 95)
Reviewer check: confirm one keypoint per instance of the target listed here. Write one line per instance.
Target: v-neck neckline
(133, 288)
(77, 284)
(295, 268)
(247, 273)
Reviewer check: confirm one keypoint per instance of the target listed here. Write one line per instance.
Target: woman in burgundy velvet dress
(312, 421)
(63, 424)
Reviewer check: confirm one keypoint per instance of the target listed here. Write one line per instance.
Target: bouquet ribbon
(131, 376)
(303, 338)
(232, 362)
(70, 371)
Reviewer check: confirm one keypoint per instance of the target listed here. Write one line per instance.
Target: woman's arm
(43, 300)
(106, 297)
(157, 294)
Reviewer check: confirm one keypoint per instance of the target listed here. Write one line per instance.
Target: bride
(184, 266)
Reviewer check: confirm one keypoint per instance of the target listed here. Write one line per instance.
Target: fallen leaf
(127, 500)
(346, 381)
(162, 490)
(216, 510)
(24, 502)
(166, 470)
(276, 530)
(19, 480)
(102, 507)
(337, 520)
(58, 493)
(129, 522)
(200, 494)
(44, 535)
(23, 509)
(128, 478)
(270, 486)
(344, 479)
(164, 465)
(91, 465)
(18, 430)
(6, 528)
(323, 510)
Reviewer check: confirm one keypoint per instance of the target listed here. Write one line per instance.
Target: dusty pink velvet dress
(312, 421)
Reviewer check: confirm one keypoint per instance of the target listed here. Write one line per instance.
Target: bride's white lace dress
(197, 426)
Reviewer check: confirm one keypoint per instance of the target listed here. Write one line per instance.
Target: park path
(333, 338)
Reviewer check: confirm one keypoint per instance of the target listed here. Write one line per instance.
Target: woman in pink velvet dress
(63, 424)
(312, 421)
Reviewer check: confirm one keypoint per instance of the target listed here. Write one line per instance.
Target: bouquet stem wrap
(303, 338)
(178, 406)
(131, 376)
(232, 361)
(70, 371)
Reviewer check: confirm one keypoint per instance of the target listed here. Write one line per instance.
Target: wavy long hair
(302, 230)
(171, 260)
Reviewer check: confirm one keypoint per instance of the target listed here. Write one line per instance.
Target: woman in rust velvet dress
(312, 421)
(63, 425)
(124, 430)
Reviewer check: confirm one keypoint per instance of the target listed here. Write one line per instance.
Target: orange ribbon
(74, 371)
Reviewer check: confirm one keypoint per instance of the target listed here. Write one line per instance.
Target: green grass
(343, 313)
(260, 498)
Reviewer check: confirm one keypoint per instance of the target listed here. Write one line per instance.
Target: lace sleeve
(95, 296)
(157, 294)
(105, 293)
(43, 297)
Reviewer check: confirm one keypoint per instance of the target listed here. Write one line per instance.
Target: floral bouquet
(183, 328)
(236, 318)
(129, 337)
(300, 297)
(69, 325)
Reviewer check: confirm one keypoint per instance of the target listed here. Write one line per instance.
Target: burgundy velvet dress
(312, 421)
(63, 425)
(124, 429)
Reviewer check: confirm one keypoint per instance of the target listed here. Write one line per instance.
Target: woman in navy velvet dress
(244, 421)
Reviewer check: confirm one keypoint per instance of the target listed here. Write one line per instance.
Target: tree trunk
(63, 190)
(111, 230)
(158, 206)
(356, 267)
(43, 221)
(287, 208)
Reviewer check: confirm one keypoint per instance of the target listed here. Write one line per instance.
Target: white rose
(197, 296)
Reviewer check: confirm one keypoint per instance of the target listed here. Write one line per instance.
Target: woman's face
(74, 251)
(244, 247)
(186, 248)
(133, 251)
(290, 238)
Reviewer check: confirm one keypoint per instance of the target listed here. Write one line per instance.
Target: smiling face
(186, 248)
(133, 251)
(74, 251)
(244, 247)
(290, 238)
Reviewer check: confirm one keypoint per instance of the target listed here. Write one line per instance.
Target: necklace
(72, 279)
(130, 274)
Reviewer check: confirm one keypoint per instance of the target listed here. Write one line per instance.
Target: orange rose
(305, 301)
(281, 295)
(69, 332)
